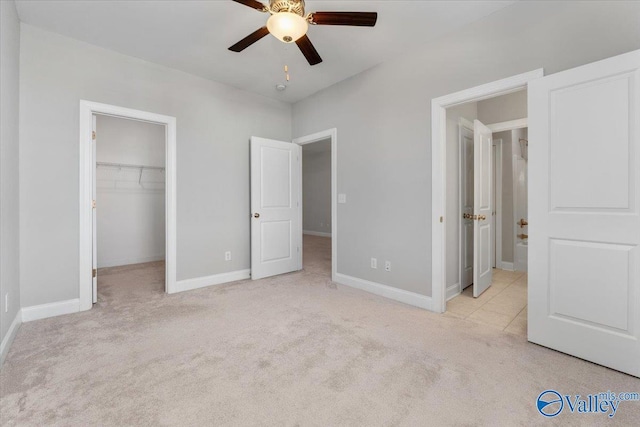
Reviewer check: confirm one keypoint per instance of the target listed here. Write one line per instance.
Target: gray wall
(9, 189)
(383, 117)
(316, 182)
(503, 108)
(214, 124)
(130, 206)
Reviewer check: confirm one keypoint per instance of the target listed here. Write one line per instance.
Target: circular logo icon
(550, 403)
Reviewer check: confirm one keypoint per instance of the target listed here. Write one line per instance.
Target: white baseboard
(316, 233)
(396, 294)
(11, 334)
(506, 266)
(453, 290)
(128, 261)
(216, 279)
(36, 312)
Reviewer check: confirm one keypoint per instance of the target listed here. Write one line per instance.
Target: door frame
(439, 171)
(87, 175)
(309, 139)
(497, 202)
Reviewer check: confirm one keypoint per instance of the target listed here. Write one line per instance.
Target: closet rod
(124, 165)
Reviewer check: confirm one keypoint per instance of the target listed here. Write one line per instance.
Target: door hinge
(95, 272)
(93, 204)
(93, 135)
(441, 219)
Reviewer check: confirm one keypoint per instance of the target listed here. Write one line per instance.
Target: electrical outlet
(6, 302)
(227, 256)
(387, 266)
(374, 263)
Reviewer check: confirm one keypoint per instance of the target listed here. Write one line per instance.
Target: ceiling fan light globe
(287, 27)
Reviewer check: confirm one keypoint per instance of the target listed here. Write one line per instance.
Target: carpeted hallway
(290, 350)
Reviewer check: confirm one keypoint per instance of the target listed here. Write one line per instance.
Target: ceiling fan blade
(356, 19)
(308, 50)
(253, 4)
(249, 40)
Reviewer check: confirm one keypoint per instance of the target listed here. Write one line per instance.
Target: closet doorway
(127, 197)
(129, 230)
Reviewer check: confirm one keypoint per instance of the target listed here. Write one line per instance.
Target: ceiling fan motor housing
(293, 6)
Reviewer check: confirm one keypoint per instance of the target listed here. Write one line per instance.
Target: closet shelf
(129, 166)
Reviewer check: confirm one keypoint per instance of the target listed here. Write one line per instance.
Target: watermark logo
(551, 403)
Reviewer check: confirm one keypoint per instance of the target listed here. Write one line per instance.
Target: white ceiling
(193, 36)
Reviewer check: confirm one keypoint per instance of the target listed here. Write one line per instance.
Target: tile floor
(503, 305)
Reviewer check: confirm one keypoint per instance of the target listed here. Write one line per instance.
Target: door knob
(256, 215)
(482, 217)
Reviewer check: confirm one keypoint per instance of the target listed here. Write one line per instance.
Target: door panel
(466, 154)
(584, 287)
(275, 220)
(482, 199)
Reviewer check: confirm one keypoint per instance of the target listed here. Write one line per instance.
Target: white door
(94, 226)
(466, 230)
(275, 219)
(584, 210)
(482, 224)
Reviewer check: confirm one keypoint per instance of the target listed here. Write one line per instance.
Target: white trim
(396, 294)
(10, 336)
(87, 110)
(438, 168)
(308, 139)
(216, 279)
(465, 123)
(510, 125)
(316, 233)
(453, 291)
(118, 262)
(506, 266)
(43, 311)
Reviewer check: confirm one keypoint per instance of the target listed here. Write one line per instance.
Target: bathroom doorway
(501, 301)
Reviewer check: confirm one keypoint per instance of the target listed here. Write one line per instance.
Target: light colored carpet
(290, 350)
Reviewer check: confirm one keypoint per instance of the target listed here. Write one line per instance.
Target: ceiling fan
(288, 23)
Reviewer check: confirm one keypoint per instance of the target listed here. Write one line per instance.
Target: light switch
(342, 198)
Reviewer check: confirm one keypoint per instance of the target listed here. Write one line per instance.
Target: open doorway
(130, 221)
(316, 206)
(486, 224)
(581, 202)
(88, 260)
(319, 197)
